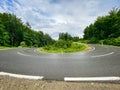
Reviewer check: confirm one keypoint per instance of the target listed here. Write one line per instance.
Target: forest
(106, 29)
(14, 33)
(65, 44)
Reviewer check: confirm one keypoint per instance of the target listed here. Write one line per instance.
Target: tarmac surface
(101, 61)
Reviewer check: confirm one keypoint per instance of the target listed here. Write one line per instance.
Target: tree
(28, 25)
(48, 40)
(63, 44)
(75, 39)
(13, 32)
(1, 32)
(105, 27)
(65, 36)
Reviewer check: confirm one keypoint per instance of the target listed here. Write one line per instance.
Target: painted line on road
(93, 48)
(103, 55)
(113, 78)
(22, 54)
(21, 76)
(35, 50)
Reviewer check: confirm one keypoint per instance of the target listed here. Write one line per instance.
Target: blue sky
(54, 16)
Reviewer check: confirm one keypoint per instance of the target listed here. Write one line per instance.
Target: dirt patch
(9, 83)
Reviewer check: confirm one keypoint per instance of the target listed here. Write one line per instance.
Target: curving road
(101, 61)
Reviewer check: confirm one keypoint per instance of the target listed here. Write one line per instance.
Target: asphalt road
(101, 61)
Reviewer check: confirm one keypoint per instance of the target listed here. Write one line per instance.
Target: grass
(5, 48)
(75, 47)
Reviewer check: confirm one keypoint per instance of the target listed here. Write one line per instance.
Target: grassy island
(62, 46)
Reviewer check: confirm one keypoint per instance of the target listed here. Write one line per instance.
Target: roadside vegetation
(105, 30)
(15, 33)
(5, 48)
(65, 44)
(64, 47)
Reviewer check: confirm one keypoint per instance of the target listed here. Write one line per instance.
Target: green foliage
(93, 40)
(65, 36)
(68, 37)
(13, 32)
(117, 41)
(48, 40)
(105, 28)
(4, 39)
(108, 42)
(75, 39)
(63, 44)
(5, 48)
(23, 44)
(61, 47)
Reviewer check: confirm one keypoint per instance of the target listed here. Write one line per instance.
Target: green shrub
(23, 44)
(62, 44)
(72, 47)
(117, 41)
(93, 40)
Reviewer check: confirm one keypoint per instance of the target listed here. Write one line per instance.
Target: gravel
(10, 83)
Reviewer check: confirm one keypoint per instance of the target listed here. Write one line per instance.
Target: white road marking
(22, 54)
(92, 78)
(22, 76)
(93, 48)
(35, 50)
(103, 55)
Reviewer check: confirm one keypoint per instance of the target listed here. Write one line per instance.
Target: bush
(67, 47)
(35, 45)
(117, 41)
(93, 40)
(46, 47)
(108, 42)
(62, 44)
(23, 44)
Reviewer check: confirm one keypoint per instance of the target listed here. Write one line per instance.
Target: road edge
(21, 76)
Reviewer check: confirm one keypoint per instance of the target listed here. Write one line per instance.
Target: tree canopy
(67, 37)
(13, 32)
(104, 28)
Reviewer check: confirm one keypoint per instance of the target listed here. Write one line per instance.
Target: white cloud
(54, 16)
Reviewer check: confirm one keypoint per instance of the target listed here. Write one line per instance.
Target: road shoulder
(11, 83)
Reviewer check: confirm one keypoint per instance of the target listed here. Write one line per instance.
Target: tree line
(13, 32)
(64, 44)
(67, 37)
(105, 29)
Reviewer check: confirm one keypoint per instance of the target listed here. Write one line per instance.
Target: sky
(55, 16)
